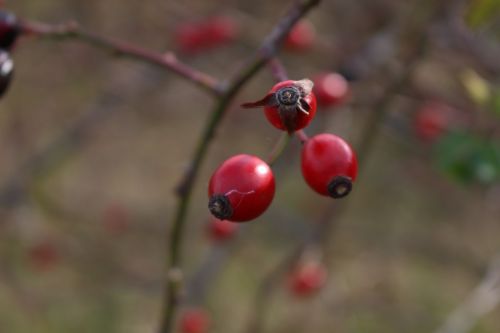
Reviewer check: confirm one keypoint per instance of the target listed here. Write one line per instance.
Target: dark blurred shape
(9, 30)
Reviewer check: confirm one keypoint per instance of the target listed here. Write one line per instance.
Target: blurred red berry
(331, 89)
(194, 321)
(220, 30)
(189, 37)
(200, 36)
(116, 218)
(221, 230)
(432, 120)
(44, 255)
(289, 105)
(307, 278)
(301, 37)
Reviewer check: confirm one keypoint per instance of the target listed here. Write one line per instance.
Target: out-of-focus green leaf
(495, 102)
(468, 159)
(481, 11)
(477, 87)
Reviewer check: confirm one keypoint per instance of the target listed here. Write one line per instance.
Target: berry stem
(166, 60)
(278, 148)
(301, 134)
(278, 70)
(231, 88)
(330, 219)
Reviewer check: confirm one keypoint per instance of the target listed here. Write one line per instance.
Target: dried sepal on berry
(290, 105)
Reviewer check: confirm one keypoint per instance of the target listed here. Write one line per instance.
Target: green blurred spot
(468, 159)
(495, 102)
(481, 11)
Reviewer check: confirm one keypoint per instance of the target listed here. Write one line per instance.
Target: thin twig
(166, 60)
(266, 51)
(330, 219)
(482, 300)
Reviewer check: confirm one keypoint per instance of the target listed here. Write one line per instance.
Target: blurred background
(92, 147)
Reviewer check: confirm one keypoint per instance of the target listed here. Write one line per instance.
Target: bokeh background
(92, 147)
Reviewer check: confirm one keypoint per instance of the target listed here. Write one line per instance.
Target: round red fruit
(220, 30)
(331, 89)
(194, 321)
(190, 38)
(432, 120)
(289, 105)
(221, 230)
(329, 165)
(301, 37)
(241, 189)
(9, 30)
(44, 255)
(307, 278)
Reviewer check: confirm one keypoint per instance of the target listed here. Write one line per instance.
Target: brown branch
(166, 60)
(266, 51)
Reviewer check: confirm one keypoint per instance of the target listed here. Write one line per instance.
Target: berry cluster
(243, 187)
(9, 31)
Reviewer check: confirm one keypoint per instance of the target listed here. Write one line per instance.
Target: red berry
(6, 71)
(197, 37)
(220, 30)
(44, 255)
(331, 89)
(329, 165)
(301, 37)
(9, 30)
(241, 189)
(432, 120)
(194, 321)
(190, 38)
(307, 278)
(221, 230)
(289, 105)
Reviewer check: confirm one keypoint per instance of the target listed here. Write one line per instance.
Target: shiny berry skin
(221, 230)
(194, 321)
(301, 37)
(6, 71)
(9, 30)
(331, 89)
(307, 278)
(432, 120)
(241, 189)
(329, 165)
(289, 105)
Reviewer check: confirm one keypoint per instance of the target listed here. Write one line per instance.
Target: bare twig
(482, 300)
(330, 219)
(266, 51)
(166, 60)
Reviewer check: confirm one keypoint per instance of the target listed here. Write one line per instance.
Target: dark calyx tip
(339, 187)
(220, 207)
(288, 96)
